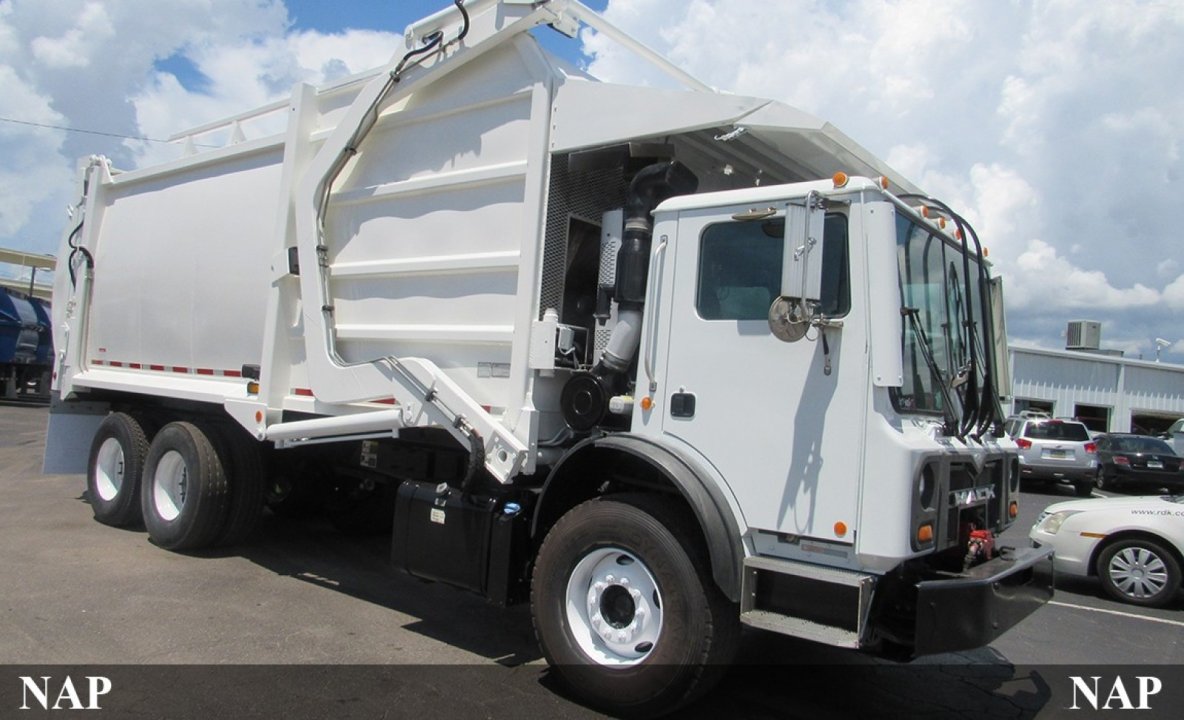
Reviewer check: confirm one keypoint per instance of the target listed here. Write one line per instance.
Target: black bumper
(976, 607)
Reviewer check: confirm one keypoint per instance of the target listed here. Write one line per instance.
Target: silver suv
(1057, 450)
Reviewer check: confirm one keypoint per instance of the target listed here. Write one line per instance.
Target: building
(1106, 392)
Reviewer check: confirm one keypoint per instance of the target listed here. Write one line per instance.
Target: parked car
(1175, 436)
(1055, 450)
(1133, 545)
(1127, 459)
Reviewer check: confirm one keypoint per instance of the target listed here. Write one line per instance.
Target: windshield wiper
(950, 426)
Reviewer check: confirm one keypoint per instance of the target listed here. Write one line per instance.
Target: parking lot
(355, 639)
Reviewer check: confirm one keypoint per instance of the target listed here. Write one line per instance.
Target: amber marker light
(882, 181)
(925, 533)
(840, 529)
(647, 403)
(1013, 510)
(840, 179)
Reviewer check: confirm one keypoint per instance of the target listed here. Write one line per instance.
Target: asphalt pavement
(323, 617)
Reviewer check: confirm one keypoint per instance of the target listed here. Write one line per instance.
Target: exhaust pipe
(585, 397)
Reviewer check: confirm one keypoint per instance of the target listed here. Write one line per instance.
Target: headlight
(1052, 522)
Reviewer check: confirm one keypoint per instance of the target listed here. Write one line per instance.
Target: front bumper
(978, 605)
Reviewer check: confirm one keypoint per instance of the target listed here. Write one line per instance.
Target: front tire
(1140, 572)
(185, 497)
(114, 469)
(625, 609)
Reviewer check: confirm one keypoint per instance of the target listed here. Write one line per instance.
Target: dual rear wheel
(192, 486)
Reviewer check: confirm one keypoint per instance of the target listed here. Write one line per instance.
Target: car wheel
(625, 609)
(113, 472)
(1139, 571)
(1084, 488)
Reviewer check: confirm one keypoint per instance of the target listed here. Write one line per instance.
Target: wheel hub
(614, 608)
(1137, 572)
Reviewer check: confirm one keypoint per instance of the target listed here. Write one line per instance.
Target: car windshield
(1071, 432)
(1141, 445)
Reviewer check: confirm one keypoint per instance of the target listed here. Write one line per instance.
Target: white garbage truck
(661, 362)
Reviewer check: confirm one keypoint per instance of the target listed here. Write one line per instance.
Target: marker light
(840, 179)
(925, 534)
(647, 403)
(840, 529)
(882, 181)
(1013, 510)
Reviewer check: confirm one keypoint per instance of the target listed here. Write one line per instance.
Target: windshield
(1141, 445)
(933, 289)
(1056, 430)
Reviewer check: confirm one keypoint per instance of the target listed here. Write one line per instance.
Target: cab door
(782, 422)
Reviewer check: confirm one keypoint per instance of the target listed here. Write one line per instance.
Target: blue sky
(1049, 124)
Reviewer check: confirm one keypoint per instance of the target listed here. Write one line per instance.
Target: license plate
(1058, 454)
(1155, 465)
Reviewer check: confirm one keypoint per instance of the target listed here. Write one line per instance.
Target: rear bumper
(1065, 474)
(976, 607)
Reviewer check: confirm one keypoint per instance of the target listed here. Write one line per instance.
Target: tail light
(1091, 448)
(1023, 443)
(1121, 460)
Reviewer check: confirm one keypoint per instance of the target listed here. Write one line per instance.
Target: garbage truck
(661, 362)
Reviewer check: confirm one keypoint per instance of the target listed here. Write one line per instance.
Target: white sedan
(1133, 545)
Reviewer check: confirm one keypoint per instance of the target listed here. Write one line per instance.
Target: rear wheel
(1139, 571)
(1084, 488)
(625, 608)
(243, 465)
(114, 469)
(185, 498)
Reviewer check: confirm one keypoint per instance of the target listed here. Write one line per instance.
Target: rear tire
(185, 497)
(625, 609)
(243, 465)
(1083, 488)
(113, 472)
(1139, 571)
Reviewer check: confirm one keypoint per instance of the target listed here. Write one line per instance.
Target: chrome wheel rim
(1138, 572)
(109, 467)
(613, 607)
(170, 485)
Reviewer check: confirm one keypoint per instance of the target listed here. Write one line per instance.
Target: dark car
(1125, 459)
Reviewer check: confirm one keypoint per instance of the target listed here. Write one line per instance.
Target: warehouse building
(1101, 388)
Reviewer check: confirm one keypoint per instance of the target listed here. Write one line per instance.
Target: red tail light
(1023, 443)
(1091, 448)
(1121, 460)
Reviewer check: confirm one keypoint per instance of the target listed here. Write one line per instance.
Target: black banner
(296, 692)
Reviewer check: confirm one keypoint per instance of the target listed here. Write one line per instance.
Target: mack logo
(63, 695)
(970, 496)
(1103, 694)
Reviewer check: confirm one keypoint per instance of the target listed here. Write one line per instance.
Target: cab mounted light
(925, 534)
(840, 179)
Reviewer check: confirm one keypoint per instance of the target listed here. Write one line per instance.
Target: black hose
(75, 251)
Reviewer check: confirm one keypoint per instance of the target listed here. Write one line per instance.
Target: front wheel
(1139, 571)
(625, 609)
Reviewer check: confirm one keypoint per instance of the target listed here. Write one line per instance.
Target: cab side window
(740, 269)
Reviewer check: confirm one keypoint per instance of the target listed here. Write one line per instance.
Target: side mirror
(801, 271)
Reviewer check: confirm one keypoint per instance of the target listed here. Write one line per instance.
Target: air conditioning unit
(1083, 335)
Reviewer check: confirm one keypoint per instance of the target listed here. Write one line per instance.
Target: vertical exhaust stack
(585, 397)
